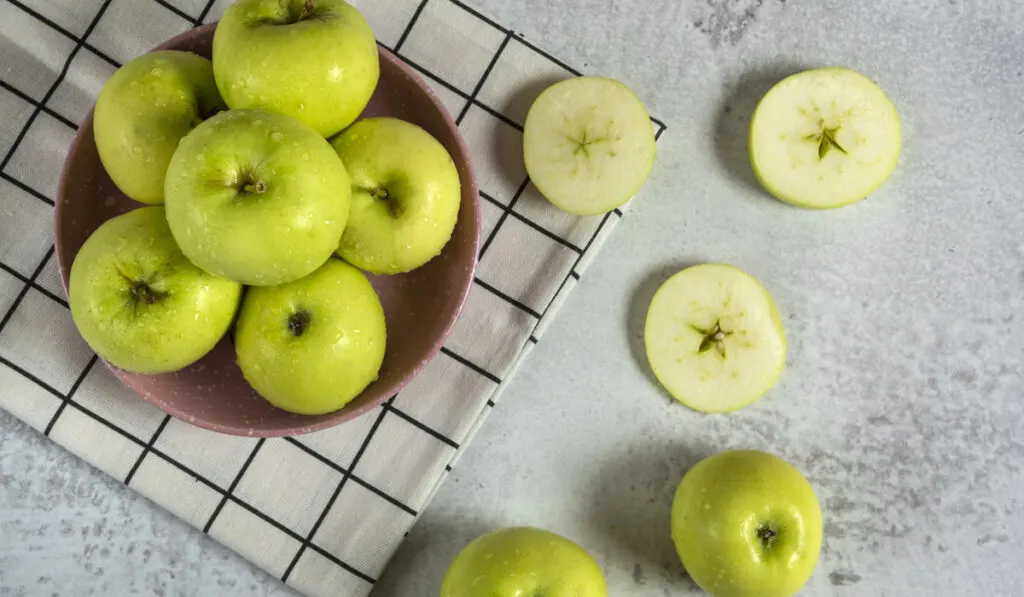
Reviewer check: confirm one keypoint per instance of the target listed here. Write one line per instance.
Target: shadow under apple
(510, 155)
(632, 507)
(427, 552)
(732, 124)
(639, 302)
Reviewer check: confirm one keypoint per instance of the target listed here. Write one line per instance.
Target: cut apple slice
(714, 338)
(824, 138)
(588, 144)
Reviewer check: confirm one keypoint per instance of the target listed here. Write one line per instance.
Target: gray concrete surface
(902, 399)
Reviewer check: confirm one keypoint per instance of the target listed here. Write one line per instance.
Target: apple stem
(307, 10)
(383, 195)
(142, 292)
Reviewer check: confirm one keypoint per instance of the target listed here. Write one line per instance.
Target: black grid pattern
(493, 367)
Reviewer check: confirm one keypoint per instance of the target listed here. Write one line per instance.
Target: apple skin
(721, 506)
(144, 110)
(321, 69)
(311, 346)
(139, 303)
(405, 195)
(257, 197)
(521, 561)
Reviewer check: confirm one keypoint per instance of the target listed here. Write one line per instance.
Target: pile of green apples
(745, 523)
(267, 203)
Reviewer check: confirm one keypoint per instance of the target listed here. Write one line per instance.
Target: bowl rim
(345, 413)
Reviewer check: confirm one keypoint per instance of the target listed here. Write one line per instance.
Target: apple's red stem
(307, 10)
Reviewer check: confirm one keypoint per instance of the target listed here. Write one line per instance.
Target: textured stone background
(902, 400)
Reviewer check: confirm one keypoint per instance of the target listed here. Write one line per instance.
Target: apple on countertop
(746, 523)
(521, 561)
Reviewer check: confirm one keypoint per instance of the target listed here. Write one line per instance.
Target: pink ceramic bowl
(421, 307)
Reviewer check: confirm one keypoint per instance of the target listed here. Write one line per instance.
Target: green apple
(139, 303)
(312, 345)
(714, 338)
(588, 144)
(315, 60)
(824, 138)
(746, 524)
(257, 197)
(405, 195)
(144, 110)
(523, 562)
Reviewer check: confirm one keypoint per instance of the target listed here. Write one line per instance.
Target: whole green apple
(523, 561)
(315, 60)
(312, 345)
(405, 195)
(139, 303)
(747, 524)
(256, 197)
(144, 110)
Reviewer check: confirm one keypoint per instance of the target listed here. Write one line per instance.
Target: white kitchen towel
(325, 511)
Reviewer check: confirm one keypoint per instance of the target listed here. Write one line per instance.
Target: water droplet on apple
(277, 136)
(156, 72)
(305, 156)
(136, 149)
(257, 122)
(301, 107)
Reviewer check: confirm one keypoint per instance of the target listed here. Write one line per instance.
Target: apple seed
(713, 338)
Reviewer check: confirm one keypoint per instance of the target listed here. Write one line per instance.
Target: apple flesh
(824, 138)
(714, 338)
(315, 60)
(139, 303)
(405, 195)
(313, 345)
(257, 197)
(747, 524)
(588, 144)
(523, 561)
(144, 110)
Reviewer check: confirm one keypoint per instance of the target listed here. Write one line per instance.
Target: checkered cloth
(324, 511)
